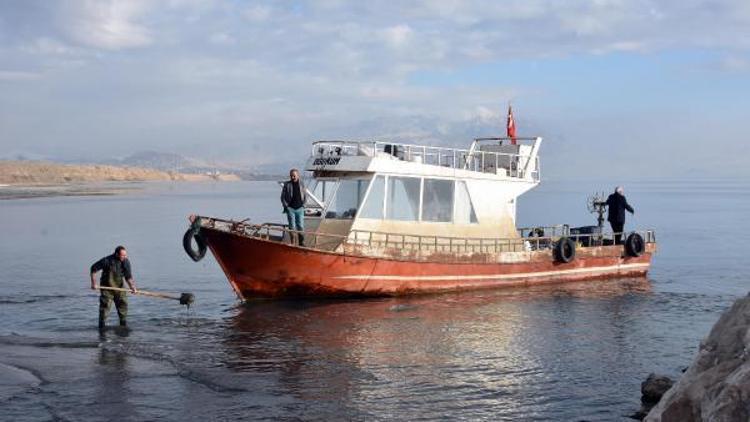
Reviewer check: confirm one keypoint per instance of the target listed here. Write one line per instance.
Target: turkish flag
(511, 126)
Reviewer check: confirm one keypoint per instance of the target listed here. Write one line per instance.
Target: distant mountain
(278, 169)
(21, 156)
(170, 162)
(164, 161)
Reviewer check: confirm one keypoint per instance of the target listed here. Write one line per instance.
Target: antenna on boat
(597, 204)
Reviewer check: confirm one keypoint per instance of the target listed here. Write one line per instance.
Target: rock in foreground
(652, 391)
(716, 387)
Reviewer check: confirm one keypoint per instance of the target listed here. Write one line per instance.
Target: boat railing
(407, 243)
(558, 230)
(522, 166)
(534, 241)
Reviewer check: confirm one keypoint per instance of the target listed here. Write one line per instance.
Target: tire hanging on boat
(565, 250)
(187, 244)
(634, 245)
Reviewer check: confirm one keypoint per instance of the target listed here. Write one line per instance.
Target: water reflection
(111, 391)
(513, 351)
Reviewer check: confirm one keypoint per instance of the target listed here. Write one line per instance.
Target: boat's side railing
(540, 235)
(407, 243)
(544, 231)
(534, 241)
(511, 165)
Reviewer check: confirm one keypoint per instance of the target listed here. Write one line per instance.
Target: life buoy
(634, 245)
(187, 244)
(565, 250)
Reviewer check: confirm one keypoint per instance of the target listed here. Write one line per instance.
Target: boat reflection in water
(512, 351)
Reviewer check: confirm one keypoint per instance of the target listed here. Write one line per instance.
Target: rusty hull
(258, 268)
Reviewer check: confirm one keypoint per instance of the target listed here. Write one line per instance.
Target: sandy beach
(47, 173)
(34, 179)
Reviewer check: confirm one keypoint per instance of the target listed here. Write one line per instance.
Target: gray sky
(628, 87)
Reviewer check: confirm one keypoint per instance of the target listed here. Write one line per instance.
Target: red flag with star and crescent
(511, 126)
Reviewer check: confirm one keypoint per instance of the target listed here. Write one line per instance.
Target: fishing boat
(386, 219)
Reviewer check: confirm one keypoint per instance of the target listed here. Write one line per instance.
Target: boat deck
(390, 245)
(516, 161)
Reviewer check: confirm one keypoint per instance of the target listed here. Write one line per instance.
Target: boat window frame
(386, 194)
(471, 202)
(311, 192)
(368, 178)
(366, 197)
(420, 218)
(454, 181)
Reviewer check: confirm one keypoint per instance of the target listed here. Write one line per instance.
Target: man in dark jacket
(293, 196)
(617, 205)
(115, 269)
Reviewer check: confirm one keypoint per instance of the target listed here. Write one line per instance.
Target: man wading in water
(293, 200)
(115, 268)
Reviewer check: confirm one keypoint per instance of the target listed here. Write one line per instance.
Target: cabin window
(373, 206)
(437, 202)
(402, 199)
(464, 210)
(323, 191)
(346, 201)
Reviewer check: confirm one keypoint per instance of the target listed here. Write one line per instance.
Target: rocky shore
(31, 173)
(716, 386)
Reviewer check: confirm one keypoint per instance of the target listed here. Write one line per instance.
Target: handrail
(410, 242)
(467, 159)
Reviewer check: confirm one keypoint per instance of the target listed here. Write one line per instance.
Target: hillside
(41, 172)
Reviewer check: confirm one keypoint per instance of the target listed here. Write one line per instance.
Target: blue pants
(296, 219)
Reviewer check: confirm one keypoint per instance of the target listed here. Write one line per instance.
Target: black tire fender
(187, 244)
(565, 250)
(634, 245)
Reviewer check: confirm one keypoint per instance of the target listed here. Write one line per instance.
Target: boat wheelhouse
(385, 218)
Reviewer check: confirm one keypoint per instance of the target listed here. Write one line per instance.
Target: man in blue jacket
(293, 196)
(617, 205)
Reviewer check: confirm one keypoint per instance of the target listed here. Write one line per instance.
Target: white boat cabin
(385, 187)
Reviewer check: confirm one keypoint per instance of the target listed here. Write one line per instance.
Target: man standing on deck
(616, 216)
(293, 200)
(115, 268)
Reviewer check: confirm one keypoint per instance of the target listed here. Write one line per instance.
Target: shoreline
(41, 179)
(104, 188)
(31, 191)
(36, 173)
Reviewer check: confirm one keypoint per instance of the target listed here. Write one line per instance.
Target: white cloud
(257, 13)
(735, 64)
(106, 24)
(397, 36)
(222, 38)
(48, 46)
(10, 75)
(485, 115)
(200, 69)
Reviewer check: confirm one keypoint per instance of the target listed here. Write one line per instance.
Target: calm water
(573, 352)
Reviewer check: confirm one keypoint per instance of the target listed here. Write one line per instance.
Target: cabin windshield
(341, 198)
(320, 193)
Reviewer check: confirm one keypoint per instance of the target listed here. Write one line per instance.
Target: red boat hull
(258, 268)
